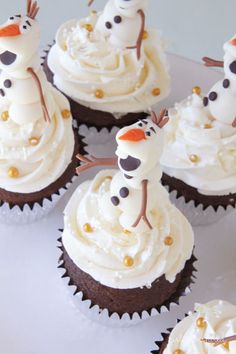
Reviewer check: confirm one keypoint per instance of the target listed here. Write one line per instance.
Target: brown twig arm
(162, 119)
(212, 62)
(140, 36)
(143, 213)
(92, 161)
(42, 100)
(217, 342)
(234, 123)
(90, 2)
(32, 9)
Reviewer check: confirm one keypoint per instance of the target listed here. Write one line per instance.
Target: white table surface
(37, 314)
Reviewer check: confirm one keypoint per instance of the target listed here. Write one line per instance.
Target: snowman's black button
(205, 101)
(233, 67)
(108, 25)
(213, 96)
(115, 201)
(226, 83)
(2, 93)
(7, 83)
(124, 192)
(117, 19)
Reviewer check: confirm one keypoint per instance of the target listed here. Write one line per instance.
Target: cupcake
(210, 329)
(109, 66)
(125, 247)
(199, 159)
(37, 143)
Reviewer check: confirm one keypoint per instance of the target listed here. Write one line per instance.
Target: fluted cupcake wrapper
(113, 319)
(196, 214)
(27, 214)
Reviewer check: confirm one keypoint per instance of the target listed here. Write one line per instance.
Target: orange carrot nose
(10, 31)
(233, 41)
(133, 135)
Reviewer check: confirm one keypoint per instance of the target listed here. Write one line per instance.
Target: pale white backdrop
(192, 27)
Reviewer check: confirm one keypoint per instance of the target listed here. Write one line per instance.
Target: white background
(193, 28)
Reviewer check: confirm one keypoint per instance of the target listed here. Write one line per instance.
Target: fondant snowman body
(121, 21)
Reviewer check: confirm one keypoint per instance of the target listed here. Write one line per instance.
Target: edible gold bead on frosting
(88, 27)
(194, 158)
(201, 323)
(207, 126)
(87, 228)
(156, 91)
(197, 90)
(5, 116)
(145, 35)
(128, 261)
(34, 140)
(99, 93)
(226, 345)
(169, 241)
(13, 172)
(178, 351)
(66, 113)
(126, 232)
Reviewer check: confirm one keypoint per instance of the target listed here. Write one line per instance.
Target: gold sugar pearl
(66, 113)
(13, 172)
(5, 116)
(178, 351)
(207, 126)
(88, 27)
(87, 228)
(145, 35)
(201, 323)
(169, 241)
(194, 158)
(226, 345)
(127, 232)
(128, 261)
(156, 91)
(34, 141)
(99, 93)
(197, 90)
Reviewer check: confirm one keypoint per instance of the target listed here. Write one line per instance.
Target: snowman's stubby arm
(42, 100)
(217, 342)
(234, 123)
(140, 36)
(143, 212)
(90, 2)
(92, 161)
(212, 62)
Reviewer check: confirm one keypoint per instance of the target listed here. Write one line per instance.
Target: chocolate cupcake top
(121, 227)
(36, 137)
(210, 329)
(201, 137)
(109, 62)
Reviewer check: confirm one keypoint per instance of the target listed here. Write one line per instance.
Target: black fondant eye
(148, 133)
(11, 18)
(140, 124)
(25, 27)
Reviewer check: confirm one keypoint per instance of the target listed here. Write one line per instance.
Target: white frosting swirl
(220, 318)
(192, 130)
(83, 62)
(101, 252)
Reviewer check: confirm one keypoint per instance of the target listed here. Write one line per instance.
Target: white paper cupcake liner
(104, 317)
(16, 215)
(197, 215)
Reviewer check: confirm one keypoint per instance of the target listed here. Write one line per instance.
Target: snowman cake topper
(133, 187)
(124, 22)
(20, 64)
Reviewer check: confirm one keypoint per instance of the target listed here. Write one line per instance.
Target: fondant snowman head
(139, 148)
(19, 39)
(230, 59)
(129, 8)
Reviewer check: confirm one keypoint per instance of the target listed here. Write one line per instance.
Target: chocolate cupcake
(109, 66)
(199, 160)
(210, 329)
(125, 247)
(37, 144)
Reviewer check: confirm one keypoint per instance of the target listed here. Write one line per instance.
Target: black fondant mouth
(8, 58)
(130, 164)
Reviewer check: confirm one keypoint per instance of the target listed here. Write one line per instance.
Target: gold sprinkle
(87, 228)
(88, 27)
(207, 126)
(197, 90)
(145, 35)
(226, 345)
(201, 323)
(5, 116)
(13, 172)
(178, 351)
(169, 241)
(66, 114)
(128, 261)
(99, 93)
(127, 232)
(194, 158)
(109, 178)
(34, 140)
(156, 91)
